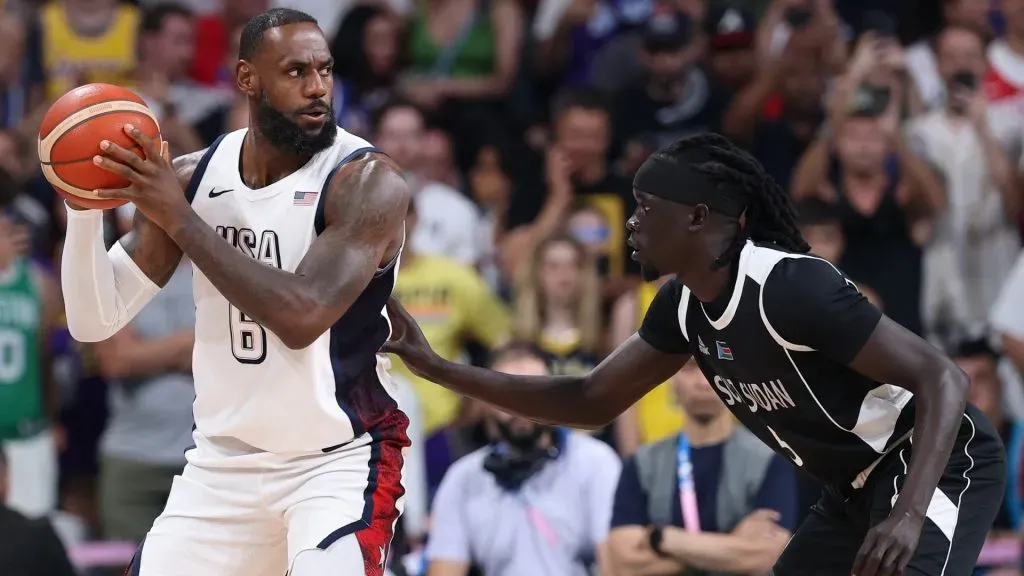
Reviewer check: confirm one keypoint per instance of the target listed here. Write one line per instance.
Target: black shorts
(959, 517)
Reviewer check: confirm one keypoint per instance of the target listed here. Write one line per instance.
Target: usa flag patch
(305, 198)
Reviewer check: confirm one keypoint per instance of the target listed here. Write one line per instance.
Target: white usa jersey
(249, 385)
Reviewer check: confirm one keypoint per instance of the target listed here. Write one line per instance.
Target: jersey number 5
(782, 443)
(248, 339)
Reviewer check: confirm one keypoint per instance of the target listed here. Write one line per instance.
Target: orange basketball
(71, 133)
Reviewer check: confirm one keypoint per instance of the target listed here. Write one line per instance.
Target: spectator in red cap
(730, 32)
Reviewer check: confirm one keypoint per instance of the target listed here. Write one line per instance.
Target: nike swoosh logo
(214, 193)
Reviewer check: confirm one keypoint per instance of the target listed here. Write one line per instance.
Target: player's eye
(295, 72)
(326, 70)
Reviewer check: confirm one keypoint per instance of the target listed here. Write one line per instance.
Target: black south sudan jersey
(778, 357)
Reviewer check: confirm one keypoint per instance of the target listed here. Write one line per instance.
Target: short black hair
(584, 97)
(515, 350)
(257, 26)
(770, 216)
(153, 18)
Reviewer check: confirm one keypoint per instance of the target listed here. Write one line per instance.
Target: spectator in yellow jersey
(77, 42)
(558, 307)
(454, 306)
(657, 415)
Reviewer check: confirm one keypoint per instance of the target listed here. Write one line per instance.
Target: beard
(286, 135)
(524, 441)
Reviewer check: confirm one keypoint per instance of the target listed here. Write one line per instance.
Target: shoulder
(185, 166)
(798, 281)
(370, 189)
(808, 304)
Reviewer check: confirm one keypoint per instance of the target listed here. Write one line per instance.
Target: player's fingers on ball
(126, 157)
(116, 193)
(115, 167)
(152, 152)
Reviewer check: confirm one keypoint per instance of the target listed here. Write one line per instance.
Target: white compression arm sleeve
(103, 290)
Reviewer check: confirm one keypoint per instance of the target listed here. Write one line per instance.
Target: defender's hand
(154, 188)
(407, 341)
(889, 546)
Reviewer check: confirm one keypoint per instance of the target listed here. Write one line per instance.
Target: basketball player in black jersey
(913, 475)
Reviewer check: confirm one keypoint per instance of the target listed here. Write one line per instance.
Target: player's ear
(698, 217)
(246, 78)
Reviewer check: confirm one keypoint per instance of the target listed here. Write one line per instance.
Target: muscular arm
(590, 401)
(103, 289)
(365, 214)
(895, 355)
(836, 320)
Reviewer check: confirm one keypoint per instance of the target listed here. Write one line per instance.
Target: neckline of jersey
(269, 190)
(737, 290)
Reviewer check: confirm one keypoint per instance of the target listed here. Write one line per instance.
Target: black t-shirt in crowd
(656, 124)
(776, 351)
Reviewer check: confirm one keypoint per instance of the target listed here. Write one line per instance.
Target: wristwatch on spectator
(654, 538)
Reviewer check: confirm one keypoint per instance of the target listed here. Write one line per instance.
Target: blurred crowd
(897, 126)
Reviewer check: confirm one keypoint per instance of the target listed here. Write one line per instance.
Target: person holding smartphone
(975, 147)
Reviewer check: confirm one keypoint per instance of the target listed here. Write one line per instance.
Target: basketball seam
(87, 159)
(75, 119)
(76, 125)
(41, 135)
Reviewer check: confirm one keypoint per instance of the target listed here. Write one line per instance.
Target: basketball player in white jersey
(294, 228)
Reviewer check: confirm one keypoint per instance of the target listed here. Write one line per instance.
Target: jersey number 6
(782, 444)
(248, 339)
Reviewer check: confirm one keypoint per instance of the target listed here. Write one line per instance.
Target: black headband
(679, 182)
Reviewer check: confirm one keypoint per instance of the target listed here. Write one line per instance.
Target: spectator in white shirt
(922, 63)
(537, 501)
(975, 146)
(449, 222)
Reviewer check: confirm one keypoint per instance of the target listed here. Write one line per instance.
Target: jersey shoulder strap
(656, 469)
(320, 218)
(745, 461)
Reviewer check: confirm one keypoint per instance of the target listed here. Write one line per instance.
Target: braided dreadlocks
(770, 216)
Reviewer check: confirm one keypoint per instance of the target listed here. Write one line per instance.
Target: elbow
(956, 382)
(85, 331)
(299, 327)
(952, 385)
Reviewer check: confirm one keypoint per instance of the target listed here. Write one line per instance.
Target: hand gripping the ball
(155, 189)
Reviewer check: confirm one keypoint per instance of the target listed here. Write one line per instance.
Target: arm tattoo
(149, 246)
(368, 202)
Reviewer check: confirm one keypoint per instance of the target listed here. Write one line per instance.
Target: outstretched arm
(103, 290)
(589, 401)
